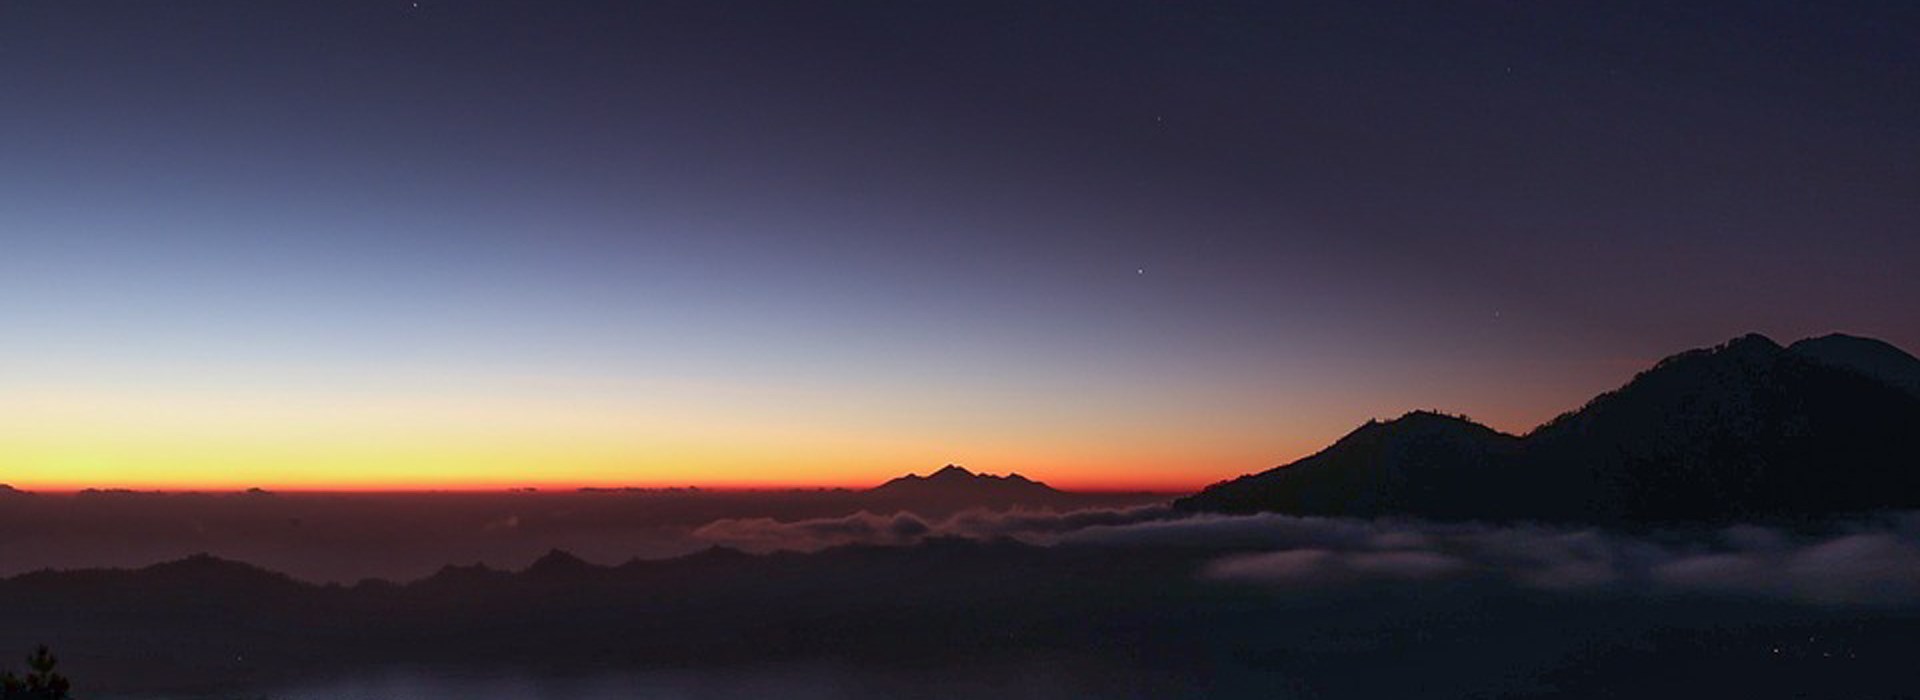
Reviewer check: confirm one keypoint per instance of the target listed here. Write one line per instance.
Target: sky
(1104, 244)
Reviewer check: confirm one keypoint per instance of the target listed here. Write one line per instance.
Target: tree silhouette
(41, 683)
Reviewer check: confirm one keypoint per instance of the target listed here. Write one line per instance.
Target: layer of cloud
(1873, 562)
(1858, 563)
(1315, 567)
(1040, 526)
(768, 534)
(1859, 568)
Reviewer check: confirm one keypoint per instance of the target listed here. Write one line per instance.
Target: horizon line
(523, 488)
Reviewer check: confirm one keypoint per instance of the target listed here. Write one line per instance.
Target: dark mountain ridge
(1420, 461)
(954, 479)
(1141, 621)
(952, 488)
(1744, 430)
(1874, 358)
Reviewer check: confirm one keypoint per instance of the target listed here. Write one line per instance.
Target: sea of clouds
(1869, 561)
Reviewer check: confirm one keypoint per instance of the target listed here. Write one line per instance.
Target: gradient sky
(479, 244)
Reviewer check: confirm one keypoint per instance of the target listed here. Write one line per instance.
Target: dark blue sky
(1172, 241)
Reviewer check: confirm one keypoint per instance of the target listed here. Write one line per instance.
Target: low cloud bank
(1859, 563)
(1865, 562)
(1040, 526)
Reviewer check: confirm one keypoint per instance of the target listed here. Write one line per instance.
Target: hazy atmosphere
(715, 349)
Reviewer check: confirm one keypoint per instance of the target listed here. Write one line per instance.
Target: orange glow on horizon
(78, 436)
(470, 433)
(1167, 486)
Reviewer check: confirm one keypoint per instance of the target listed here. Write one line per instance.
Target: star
(1140, 271)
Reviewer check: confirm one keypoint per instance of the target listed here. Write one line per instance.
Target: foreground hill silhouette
(1121, 622)
(1744, 430)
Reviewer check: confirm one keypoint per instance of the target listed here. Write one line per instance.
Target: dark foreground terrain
(1209, 606)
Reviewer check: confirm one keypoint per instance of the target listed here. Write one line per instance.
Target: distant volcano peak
(956, 477)
(558, 563)
(952, 471)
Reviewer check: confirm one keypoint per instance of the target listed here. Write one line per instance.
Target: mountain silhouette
(1747, 429)
(1422, 462)
(1874, 358)
(559, 565)
(953, 479)
(1135, 621)
(953, 488)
